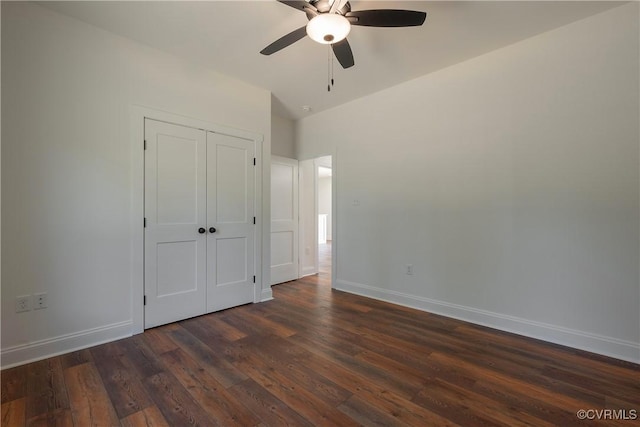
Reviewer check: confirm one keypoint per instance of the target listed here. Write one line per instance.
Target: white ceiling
(228, 35)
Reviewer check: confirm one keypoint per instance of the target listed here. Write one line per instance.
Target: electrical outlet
(408, 269)
(23, 303)
(39, 301)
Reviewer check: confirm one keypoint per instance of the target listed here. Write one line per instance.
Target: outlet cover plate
(409, 269)
(40, 301)
(23, 303)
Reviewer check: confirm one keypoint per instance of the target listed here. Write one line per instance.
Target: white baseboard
(38, 350)
(266, 295)
(607, 346)
(307, 271)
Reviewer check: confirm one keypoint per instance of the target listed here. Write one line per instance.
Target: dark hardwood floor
(313, 357)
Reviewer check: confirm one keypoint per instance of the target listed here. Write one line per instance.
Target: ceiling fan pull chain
(331, 56)
(328, 67)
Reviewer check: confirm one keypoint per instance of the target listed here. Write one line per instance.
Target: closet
(199, 231)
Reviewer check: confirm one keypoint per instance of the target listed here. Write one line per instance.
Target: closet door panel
(230, 211)
(175, 209)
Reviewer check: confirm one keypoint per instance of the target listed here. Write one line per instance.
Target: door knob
(212, 230)
(201, 230)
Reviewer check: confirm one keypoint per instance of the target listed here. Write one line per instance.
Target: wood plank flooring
(314, 357)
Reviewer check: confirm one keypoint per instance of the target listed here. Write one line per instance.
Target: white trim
(316, 258)
(307, 271)
(263, 224)
(303, 184)
(266, 295)
(311, 270)
(600, 344)
(43, 349)
(258, 211)
(136, 134)
(334, 218)
(137, 115)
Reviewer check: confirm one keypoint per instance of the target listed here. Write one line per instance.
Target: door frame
(137, 115)
(317, 163)
(334, 217)
(304, 217)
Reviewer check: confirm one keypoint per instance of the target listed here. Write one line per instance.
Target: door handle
(201, 230)
(212, 230)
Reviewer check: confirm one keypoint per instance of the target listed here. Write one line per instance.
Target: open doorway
(325, 218)
(316, 217)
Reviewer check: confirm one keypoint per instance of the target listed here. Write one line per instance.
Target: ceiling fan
(330, 22)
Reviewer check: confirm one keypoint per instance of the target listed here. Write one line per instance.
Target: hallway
(324, 260)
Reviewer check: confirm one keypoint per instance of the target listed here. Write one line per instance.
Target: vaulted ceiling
(228, 35)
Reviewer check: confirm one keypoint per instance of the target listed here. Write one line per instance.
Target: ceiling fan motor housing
(323, 6)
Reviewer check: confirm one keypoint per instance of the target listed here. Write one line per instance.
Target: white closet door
(175, 210)
(284, 219)
(230, 212)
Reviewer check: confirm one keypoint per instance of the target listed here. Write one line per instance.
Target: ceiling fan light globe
(328, 28)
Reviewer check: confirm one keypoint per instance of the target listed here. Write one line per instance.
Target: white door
(199, 222)
(175, 209)
(284, 219)
(230, 221)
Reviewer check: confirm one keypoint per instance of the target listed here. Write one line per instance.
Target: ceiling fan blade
(387, 18)
(343, 52)
(297, 4)
(285, 41)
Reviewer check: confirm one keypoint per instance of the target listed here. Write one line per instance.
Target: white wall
(282, 137)
(509, 181)
(67, 90)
